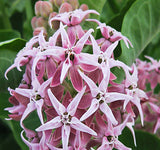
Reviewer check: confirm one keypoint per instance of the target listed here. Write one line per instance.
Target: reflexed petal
(60, 109)
(94, 106)
(52, 124)
(76, 79)
(77, 125)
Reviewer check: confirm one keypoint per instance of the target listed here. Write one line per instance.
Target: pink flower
(66, 118)
(101, 98)
(110, 35)
(70, 58)
(73, 19)
(132, 90)
(111, 133)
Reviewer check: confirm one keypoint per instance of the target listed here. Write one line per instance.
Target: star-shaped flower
(66, 118)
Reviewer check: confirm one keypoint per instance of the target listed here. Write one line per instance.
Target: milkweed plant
(82, 95)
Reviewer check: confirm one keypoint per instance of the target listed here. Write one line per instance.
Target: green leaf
(111, 9)
(8, 52)
(8, 35)
(145, 140)
(32, 121)
(14, 76)
(4, 103)
(140, 27)
(16, 129)
(16, 5)
(7, 140)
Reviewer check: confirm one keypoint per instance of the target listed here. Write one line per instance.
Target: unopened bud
(52, 2)
(83, 7)
(65, 7)
(43, 8)
(58, 3)
(33, 22)
(74, 3)
(41, 22)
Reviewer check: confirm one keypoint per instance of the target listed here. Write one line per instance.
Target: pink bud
(41, 22)
(65, 7)
(43, 8)
(83, 7)
(74, 3)
(58, 3)
(33, 22)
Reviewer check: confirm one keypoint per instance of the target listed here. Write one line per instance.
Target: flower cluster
(78, 102)
(149, 78)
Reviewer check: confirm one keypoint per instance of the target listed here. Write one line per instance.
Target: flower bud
(74, 3)
(58, 3)
(43, 8)
(41, 22)
(65, 7)
(83, 7)
(33, 22)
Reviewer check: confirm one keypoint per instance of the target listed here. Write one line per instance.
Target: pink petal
(56, 76)
(157, 125)
(50, 67)
(80, 44)
(76, 79)
(65, 67)
(120, 146)
(65, 136)
(93, 87)
(77, 125)
(72, 107)
(96, 48)
(60, 109)
(52, 124)
(72, 35)
(107, 111)
(64, 36)
(85, 101)
(94, 106)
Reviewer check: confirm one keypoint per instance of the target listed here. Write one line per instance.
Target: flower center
(66, 118)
